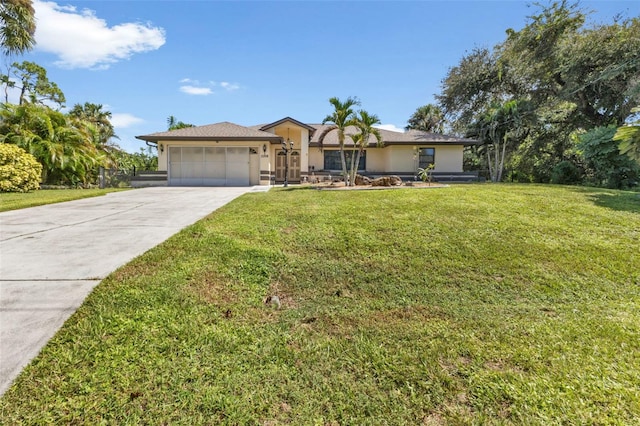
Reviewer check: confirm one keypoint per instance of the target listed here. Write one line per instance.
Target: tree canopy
(31, 80)
(428, 118)
(17, 26)
(573, 75)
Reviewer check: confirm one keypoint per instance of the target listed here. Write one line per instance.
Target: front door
(281, 158)
(294, 166)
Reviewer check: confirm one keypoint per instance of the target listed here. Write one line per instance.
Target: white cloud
(391, 127)
(194, 87)
(229, 86)
(123, 120)
(82, 40)
(193, 90)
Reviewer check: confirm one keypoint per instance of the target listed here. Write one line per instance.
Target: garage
(209, 166)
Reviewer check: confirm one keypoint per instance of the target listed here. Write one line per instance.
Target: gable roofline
(293, 120)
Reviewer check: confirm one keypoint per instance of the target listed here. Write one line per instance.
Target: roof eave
(387, 143)
(152, 138)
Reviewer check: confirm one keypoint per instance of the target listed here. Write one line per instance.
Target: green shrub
(606, 166)
(19, 170)
(566, 173)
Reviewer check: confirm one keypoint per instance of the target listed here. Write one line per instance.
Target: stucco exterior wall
(163, 155)
(316, 159)
(304, 151)
(404, 159)
(376, 160)
(401, 159)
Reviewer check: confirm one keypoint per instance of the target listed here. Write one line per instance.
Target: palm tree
(17, 26)
(427, 118)
(364, 122)
(500, 124)
(93, 114)
(340, 119)
(174, 124)
(68, 155)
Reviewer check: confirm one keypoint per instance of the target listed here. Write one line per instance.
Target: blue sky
(257, 62)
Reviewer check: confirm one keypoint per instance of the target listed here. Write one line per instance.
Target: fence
(114, 178)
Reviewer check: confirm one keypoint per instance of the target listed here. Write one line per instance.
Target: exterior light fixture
(264, 148)
(161, 146)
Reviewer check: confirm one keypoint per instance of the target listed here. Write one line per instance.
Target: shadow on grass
(294, 188)
(628, 201)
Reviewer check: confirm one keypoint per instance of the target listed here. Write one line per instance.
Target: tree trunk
(489, 164)
(496, 157)
(504, 148)
(23, 90)
(355, 168)
(344, 166)
(342, 159)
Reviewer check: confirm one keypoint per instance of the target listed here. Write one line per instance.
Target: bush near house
(19, 170)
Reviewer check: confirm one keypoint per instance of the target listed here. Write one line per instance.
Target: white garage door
(208, 166)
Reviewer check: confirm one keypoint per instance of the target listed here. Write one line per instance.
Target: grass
(15, 200)
(487, 304)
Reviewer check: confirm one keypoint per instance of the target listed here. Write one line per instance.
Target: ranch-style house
(227, 154)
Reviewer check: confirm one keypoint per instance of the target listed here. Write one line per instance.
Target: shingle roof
(411, 137)
(230, 131)
(219, 131)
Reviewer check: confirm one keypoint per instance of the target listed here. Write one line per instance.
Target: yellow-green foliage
(19, 170)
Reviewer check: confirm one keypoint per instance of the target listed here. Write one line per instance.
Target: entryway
(294, 166)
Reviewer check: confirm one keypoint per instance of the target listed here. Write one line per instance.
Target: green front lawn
(484, 304)
(16, 200)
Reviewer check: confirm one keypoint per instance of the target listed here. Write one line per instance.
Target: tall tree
(364, 122)
(500, 128)
(32, 82)
(596, 68)
(427, 118)
(17, 26)
(341, 117)
(478, 81)
(575, 76)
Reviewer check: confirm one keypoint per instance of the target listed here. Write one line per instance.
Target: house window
(427, 156)
(332, 160)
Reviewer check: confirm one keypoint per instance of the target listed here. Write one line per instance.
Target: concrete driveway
(51, 257)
